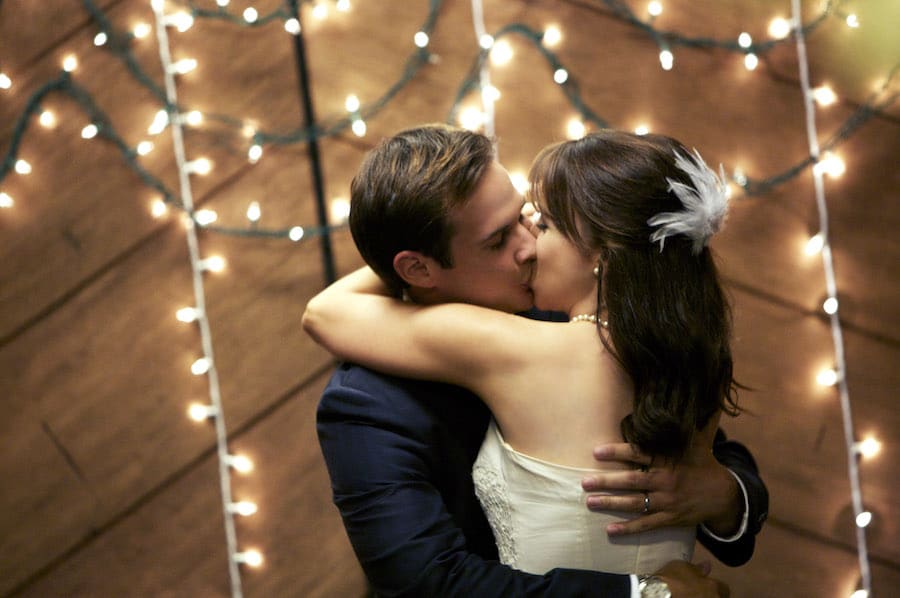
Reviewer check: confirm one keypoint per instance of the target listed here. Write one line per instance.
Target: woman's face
(564, 275)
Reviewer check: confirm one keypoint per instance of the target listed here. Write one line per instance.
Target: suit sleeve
(738, 459)
(401, 531)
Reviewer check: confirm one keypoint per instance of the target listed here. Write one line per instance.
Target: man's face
(493, 253)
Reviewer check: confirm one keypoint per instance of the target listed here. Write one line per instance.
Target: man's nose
(525, 250)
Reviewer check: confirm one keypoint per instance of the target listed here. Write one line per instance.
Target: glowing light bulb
(23, 167)
(830, 164)
(575, 129)
(254, 213)
(5, 81)
(501, 53)
(187, 314)
(182, 21)
(141, 30)
(751, 61)
(215, 263)
(254, 153)
(239, 463)
(641, 130)
(654, 9)
(5, 200)
(339, 210)
(201, 366)
(144, 148)
(552, 36)
(830, 306)
(779, 28)
(244, 508)
(490, 94)
(292, 26)
(251, 14)
(90, 131)
(869, 447)
(852, 21)
(471, 118)
(420, 39)
(863, 519)
(666, 60)
(223, 3)
(160, 121)
(560, 76)
(47, 119)
(827, 377)
(204, 217)
(70, 63)
(815, 244)
(351, 103)
(183, 66)
(101, 38)
(320, 11)
(486, 41)
(359, 127)
(745, 40)
(200, 166)
(199, 412)
(343, 5)
(194, 118)
(296, 233)
(158, 208)
(824, 95)
(249, 128)
(519, 181)
(252, 558)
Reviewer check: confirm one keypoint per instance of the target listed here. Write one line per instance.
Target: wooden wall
(110, 490)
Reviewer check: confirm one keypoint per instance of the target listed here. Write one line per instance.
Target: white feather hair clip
(705, 204)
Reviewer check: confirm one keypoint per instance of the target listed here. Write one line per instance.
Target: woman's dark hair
(403, 193)
(669, 319)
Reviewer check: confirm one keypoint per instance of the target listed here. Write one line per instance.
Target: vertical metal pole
(313, 149)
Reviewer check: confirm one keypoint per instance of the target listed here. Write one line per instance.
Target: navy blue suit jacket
(400, 452)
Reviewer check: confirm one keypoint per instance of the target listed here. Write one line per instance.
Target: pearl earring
(597, 270)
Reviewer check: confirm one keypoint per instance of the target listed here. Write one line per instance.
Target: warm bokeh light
(827, 377)
(552, 36)
(501, 53)
(779, 28)
(575, 128)
(869, 447)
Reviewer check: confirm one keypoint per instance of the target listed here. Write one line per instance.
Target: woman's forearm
(322, 317)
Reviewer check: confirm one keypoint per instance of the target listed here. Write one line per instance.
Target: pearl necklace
(589, 318)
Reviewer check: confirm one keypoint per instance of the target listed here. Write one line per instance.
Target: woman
(646, 356)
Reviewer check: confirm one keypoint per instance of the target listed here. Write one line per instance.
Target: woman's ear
(415, 268)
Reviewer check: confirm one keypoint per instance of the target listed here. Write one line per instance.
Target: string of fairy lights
(862, 517)
(494, 51)
(206, 364)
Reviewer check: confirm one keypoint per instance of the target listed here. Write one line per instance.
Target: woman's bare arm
(357, 320)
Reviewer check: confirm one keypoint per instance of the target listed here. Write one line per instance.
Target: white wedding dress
(540, 520)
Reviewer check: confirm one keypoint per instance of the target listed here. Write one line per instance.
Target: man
(399, 452)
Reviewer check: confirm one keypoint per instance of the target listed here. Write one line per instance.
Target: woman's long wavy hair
(669, 319)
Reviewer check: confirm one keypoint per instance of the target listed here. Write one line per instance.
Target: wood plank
(174, 543)
(794, 565)
(795, 429)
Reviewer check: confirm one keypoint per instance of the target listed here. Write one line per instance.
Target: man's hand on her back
(696, 490)
(691, 581)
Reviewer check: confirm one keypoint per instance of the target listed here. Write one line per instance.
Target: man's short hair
(406, 187)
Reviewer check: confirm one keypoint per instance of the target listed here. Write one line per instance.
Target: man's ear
(415, 268)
